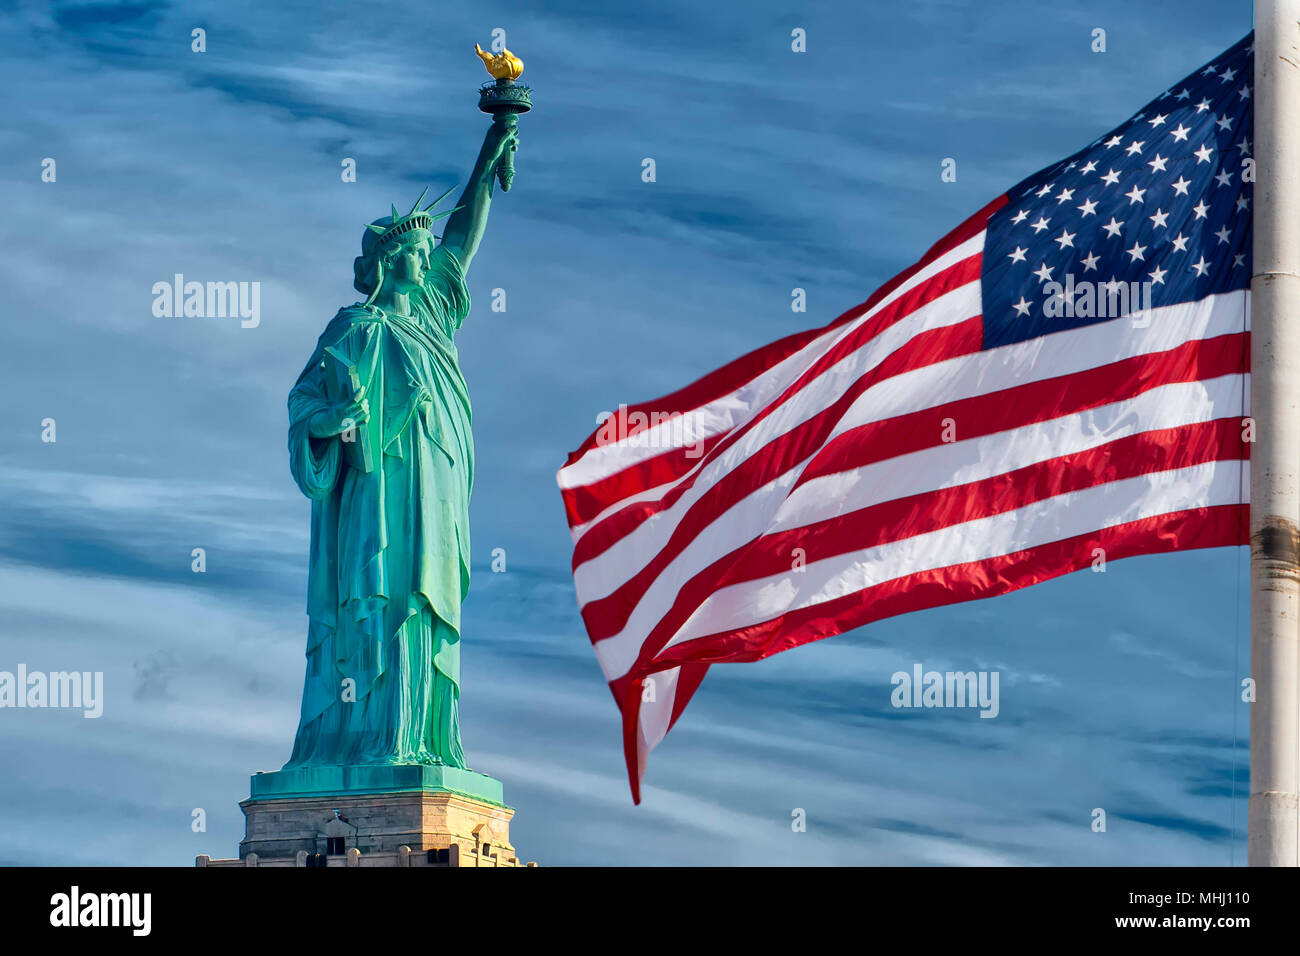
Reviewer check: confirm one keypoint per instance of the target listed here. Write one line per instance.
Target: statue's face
(409, 265)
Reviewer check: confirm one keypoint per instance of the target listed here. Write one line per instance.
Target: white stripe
(962, 377)
(653, 717)
(729, 411)
(1053, 519)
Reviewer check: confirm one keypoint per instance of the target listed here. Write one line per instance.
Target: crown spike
(446, 213)
(416, 207)
(440, 198)
(395, 215)
(377, 229)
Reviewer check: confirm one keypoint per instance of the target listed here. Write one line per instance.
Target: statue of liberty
(379, 440)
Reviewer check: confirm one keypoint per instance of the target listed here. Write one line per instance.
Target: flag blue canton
(1162, 204)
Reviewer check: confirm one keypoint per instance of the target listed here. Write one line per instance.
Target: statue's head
(397, 247)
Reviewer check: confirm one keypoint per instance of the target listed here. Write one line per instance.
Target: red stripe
(981, 415)
(745, 369)
(627, 694)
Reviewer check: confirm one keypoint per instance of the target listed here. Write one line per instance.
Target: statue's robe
(389, 548)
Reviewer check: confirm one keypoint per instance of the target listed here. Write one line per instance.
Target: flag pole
(1273, 812)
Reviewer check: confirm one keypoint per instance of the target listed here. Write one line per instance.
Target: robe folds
(389, 563)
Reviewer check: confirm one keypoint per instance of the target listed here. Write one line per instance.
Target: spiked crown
(397, 225)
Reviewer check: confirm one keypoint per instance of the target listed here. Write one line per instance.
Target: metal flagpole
(1274, 834)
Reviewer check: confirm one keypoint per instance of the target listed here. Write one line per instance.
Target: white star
(1018, 255)
(1136, 252)
(1111, 178)
(1043, 273)
(1135, 147)
(1183, 95)
(1180, 186)
(1040, 225)
(1244, 146)
(1113, 141)
(1045, 190)
(1203, 154)
(1135, 195)
(1244, 92)
(1065, 238)
(1208, 71)
(1087, 167)
(1021, 307)
(1223, 234)
(1157, 120)
(1239, 260)
(1180, 132)
(1089, 261)
(1113, 227)
(1200, 209)
(1202, 106)
(1224, 123)
(1063, 195)
(1227, 76)
(1242, 203)
(1180, 242)
(1019, 217)
(1159, 219)
(1157, 275)
(1089, 207)
(1201, 266)
(1158, 164)
(1224, 178)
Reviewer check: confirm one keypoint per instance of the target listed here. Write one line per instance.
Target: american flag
(1062, 379)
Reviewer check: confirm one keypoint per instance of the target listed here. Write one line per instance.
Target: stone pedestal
(374, 816)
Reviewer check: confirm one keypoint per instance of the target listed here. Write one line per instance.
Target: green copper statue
(379, 440)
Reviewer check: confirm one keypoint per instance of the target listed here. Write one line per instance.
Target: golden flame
(504, 65)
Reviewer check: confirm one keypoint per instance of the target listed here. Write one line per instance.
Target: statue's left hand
(500, 139)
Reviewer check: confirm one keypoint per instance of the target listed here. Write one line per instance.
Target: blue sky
(774, 170)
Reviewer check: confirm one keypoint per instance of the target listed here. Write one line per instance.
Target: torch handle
(506, 164)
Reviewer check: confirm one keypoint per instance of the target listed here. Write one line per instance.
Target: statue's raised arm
(467, 223)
